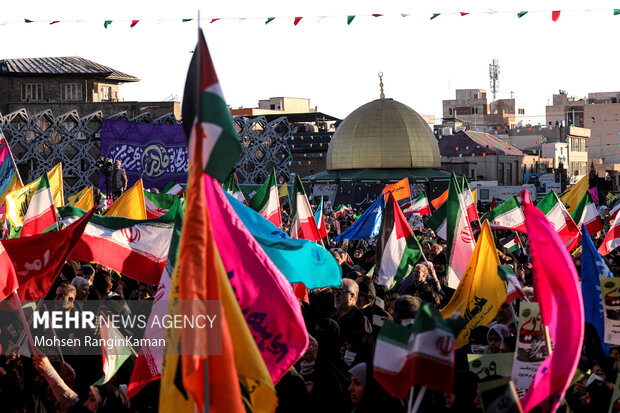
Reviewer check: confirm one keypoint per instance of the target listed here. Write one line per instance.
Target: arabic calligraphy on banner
(154, 152)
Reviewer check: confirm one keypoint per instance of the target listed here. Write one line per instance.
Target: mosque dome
(383, 133)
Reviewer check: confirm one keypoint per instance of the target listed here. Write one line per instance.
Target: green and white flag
(419, 354)
(508, 215)
(459, 234)
(560, 219)
(266, 201)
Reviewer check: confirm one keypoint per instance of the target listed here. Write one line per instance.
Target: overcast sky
(333, 64)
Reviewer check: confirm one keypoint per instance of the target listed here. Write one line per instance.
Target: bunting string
(296, 20)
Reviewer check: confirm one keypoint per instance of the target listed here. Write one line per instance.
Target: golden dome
(383, 133)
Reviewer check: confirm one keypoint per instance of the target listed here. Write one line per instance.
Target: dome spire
(381, 96)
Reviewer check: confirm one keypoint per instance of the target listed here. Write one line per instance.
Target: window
(272, 107)
(508, 174)
(70, 91)
(521, 111)
(500, 173)
(32, 91)
(105, 93)
(450, 112)
(474, 111)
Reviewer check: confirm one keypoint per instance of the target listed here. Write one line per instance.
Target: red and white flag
(303, 224)
(612, 239)
(419, 206)
(8, 279)
(41, 212)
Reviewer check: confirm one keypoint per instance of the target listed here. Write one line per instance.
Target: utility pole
(494, 77)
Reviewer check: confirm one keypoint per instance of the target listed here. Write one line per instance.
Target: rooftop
(61, 66)
(469, 143)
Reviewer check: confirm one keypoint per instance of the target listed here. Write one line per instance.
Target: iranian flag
(560, 219)
(612, 239)
(508, 215)
(470, 202)
(173, 188)
(586, 214)
(303, 224)
(342, 209)
(266, 201)
(613, 209)
(41, 212)
(419, 354)
(135, 248)
(398, 249)
(419, 206)
(232, 187)
(156, 205)
(206, 116)
(459, 233)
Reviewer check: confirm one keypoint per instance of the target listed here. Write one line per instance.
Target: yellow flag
(474, 194)
(17, 201)
(130, 204)
(571, 198)
(13, 185)
(283, 191)
(170, 397)
(55, 178)
(83, 199)
(481, 291)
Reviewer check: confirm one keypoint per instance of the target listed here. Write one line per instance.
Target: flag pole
(418, 399)
(23, 318)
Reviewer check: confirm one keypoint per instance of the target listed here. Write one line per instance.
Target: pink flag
(265, 296)
(557, 291)
(594, 193)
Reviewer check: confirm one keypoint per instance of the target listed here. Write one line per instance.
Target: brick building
(63, 84)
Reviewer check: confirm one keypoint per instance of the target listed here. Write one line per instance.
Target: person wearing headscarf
(495, 338)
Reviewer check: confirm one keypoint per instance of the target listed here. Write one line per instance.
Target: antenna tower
(494, 77)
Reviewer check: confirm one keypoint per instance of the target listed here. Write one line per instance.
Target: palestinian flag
(342, 209)
(206, 116)
(398, 249)
(460, 235)
(438, 222)
(265, 201)
(115, 355)
(508, 215)
(560, 219)
(514, 290)
(586, 214)
(232, 187)
(470, 203)
(41, 212)
(320, 220)
(612, 239)
(511, 243)
(135, 248)
(419, 206)
(419, 354)
(157, 205)
(303, 224)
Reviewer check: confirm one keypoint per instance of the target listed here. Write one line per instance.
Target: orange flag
(437, 202)
(198, 259)
(400, 190)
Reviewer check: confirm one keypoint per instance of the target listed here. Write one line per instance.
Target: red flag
(39, 258)
(214, 20)
(301, 292)
(555, 15)
(133, 23)
(297, 20)
(464, 13)
(8, 279)
(493, 203)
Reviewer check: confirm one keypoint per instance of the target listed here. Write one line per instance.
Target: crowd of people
(336, 372)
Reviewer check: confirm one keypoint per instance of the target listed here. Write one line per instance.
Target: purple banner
(157, 153)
